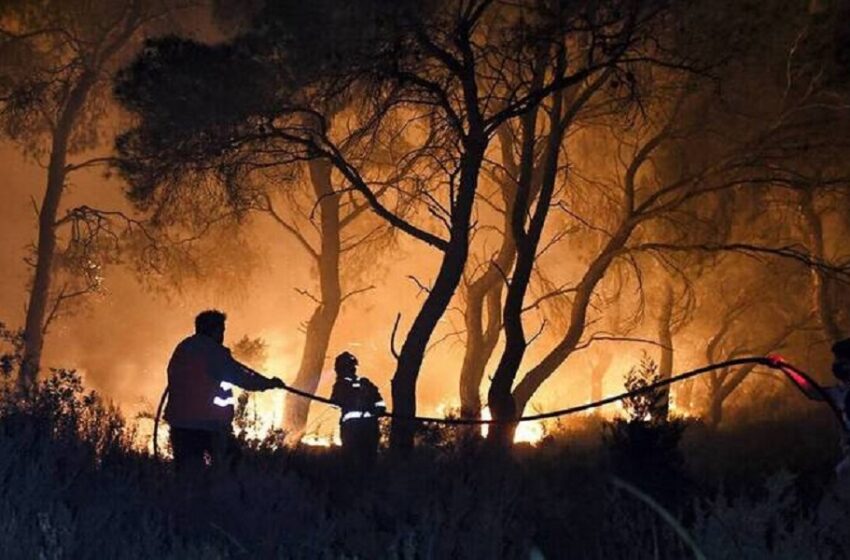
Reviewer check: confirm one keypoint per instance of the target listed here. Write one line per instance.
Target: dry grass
(72, 486)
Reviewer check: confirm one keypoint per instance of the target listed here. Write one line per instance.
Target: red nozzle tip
(776, 360)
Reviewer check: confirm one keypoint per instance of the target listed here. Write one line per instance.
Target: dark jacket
(358, 397)
(201, 374)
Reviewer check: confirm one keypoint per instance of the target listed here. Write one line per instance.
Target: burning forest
(425, 279)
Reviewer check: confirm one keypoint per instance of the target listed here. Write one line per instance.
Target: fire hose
(798, 377)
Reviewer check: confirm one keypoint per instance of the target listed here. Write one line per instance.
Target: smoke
(120, 338)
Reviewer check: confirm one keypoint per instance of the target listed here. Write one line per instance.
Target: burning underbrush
(74, 484)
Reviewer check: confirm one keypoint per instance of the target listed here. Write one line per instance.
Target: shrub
(644, 447)
(73, 486)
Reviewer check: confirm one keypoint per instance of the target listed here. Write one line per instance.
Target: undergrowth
(72, 485)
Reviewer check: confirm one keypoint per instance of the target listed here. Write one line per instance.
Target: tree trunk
(321, 323)
(665, 339)
(597, 377)
(35, 327)
(481, 338)
(451, 270)
(535, 377)
(820, 280)
(715, 410)
(685, 395)
(501, 400)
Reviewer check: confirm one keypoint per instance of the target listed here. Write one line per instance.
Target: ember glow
(442, 209)
(681, 275)
(526, 432)
(315, 440)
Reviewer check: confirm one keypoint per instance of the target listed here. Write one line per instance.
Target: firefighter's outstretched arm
(274, 382)
(226, 368)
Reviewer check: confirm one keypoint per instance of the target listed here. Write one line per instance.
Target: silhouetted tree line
(622, 156)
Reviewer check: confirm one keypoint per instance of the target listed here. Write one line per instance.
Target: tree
(430, 86)
(474, 104)
(527, 221)
(750, 325)
(174, 86)
(483, 292)
(513, 399)
(429, 62)
(54, 77)
(519, 174)
(825, 289)
(760, 159)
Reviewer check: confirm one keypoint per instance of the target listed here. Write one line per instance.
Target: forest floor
(72, 485)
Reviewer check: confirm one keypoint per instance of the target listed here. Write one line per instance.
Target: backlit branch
(795, 253)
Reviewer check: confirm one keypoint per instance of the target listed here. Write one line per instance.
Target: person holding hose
(837, 396)
(201, 376)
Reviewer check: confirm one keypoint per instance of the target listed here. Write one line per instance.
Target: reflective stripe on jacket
(201, 377)
(358, 397)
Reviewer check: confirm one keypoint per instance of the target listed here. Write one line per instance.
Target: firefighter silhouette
(362, 405)
(840, 395)
(201, 377)
(837, 396)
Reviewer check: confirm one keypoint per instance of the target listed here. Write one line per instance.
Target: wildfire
(143, 436)
(316, 440)
(680, 411)
(262, 414)
(526, 432)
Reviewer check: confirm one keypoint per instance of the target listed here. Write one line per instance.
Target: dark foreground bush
(72, 486)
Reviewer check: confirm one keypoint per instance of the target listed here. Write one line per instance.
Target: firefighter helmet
(345, 362)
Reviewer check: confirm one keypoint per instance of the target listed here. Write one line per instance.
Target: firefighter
(361, 405)
(201, 376)
(838, 396)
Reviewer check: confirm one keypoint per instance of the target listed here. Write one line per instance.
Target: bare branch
(392, 337)
(795, 253)
(611, 338)
(422, 287)
(356, 292)
(269, 208)
(105, 160)
(307, 294)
